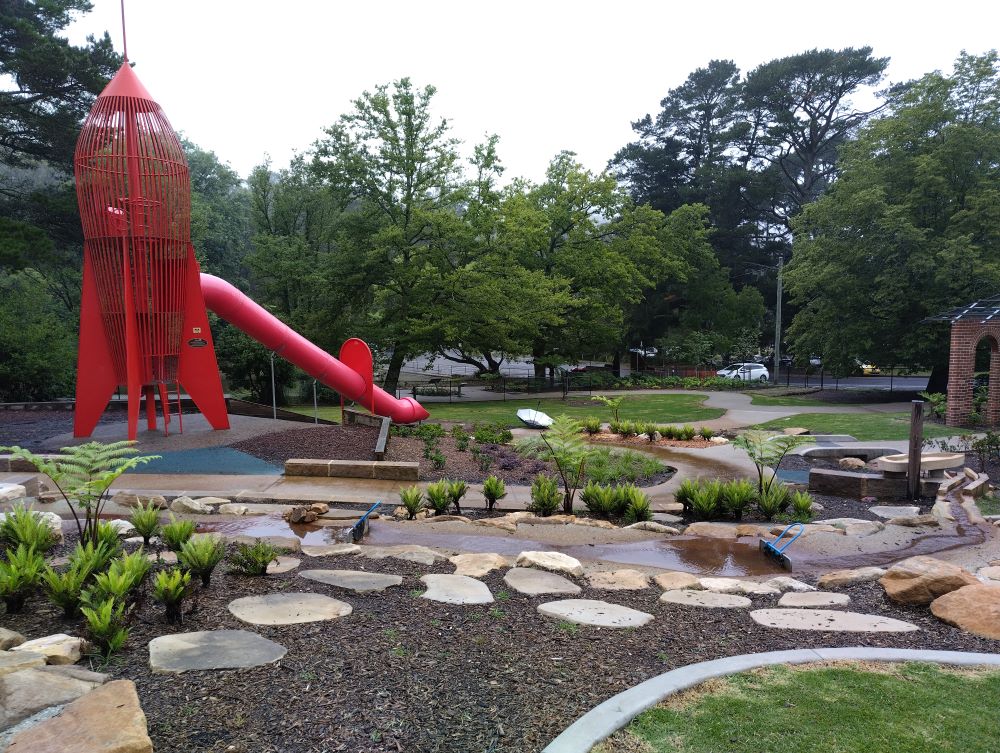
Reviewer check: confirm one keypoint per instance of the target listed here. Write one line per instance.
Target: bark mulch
(405, 674)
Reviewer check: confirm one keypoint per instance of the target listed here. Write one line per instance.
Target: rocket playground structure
(143, 316)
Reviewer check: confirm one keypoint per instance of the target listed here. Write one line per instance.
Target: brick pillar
(961, 363)
(993, 401)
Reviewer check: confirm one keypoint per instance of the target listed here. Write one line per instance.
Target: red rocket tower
(143, 322)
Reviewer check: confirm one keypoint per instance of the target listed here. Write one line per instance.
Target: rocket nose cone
(126, 84)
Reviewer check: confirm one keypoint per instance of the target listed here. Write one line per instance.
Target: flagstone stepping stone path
(212, 649)
(888, 512)
(676, 579)
(829, 620)
(734, 586)
(456, 589)
(787, 583)
(816, 599)
(527, 580)
(422, 555)
(596, 613)
(478, 565)
(709, 599)
(555, 561)
(283, 565)
(288, 608)
(358, 581)
(330, 550)
(619, 580)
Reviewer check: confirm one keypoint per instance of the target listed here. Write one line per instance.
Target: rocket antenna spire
(124, 40)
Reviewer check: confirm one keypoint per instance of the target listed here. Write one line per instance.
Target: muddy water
(271, 526)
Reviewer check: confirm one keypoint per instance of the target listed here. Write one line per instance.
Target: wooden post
(916, 444)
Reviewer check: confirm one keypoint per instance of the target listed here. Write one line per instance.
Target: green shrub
(457, 490)
(737, 496)
(618, 427)
(668, 431)
(93, 559)
(437, 497)
(413, 500)
(607, 466)
(19, 576)
(106, 625)
(252, 559)
(107, 537)
(706, 501)
(802, 507)
(773, 500)
(938, 403)
(146, 522)
(24, 526)
(651, 430)
(638, 508)
(176, 533)
(592, 425)
(493, 490)
(545, 495)
(170, 588)
(65, 589)
(706, 433)
(613, 404)
(598, 499)
(687, 432)
(200, 556)
(685, 493)
(483, 460)
(438, 460)
(122, 576)
(494, 433)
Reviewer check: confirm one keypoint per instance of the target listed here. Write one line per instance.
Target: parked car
(815, 361)
(748, 372)
(868, 369)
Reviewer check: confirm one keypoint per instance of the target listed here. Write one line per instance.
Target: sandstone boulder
(712, 530)
(502, 523)
(975, 609)
(57, 649)
(674, 580)
(29, 691)
(916, 521)
(653, 527)
(840, 578)
(299, 515)
(477, 565)
(920, 580)
(555, 561)
(619, 580)
(188, 506)
(128, 499)
(9, 639)
(232, 508)
(851, 464)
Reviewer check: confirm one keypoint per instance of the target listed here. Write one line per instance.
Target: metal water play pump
(776, 553)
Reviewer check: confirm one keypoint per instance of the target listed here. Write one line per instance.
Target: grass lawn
(989, 505)
(863, 426)
(910, 708)
(786, 400)
(656, 408)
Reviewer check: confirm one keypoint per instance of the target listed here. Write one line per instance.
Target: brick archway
(966, 334)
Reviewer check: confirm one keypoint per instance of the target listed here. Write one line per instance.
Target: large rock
(653, 527)
(128, 499)
(122, 527)
(212, 649)
(555, 561)
(478, 565)
(851, 464)
(527, 580)
(299, 515)
(12, 492)
(108, 719)
(916, 521)
(711, 530)
(888, 512)
(57, 649)
(188, 506)
(358, 581)
(920, 580)
(619, 580)
(501, 523)
(15, 661)
(989, 575)
(840, 578)
(975, 609)
(456, 589)
(672, 580)
(9, 639)
(595, 613)
(735, 586)
(288, 608)
(231, 508)
(707, 599)
(829, 620)
(31, 690)
(330, 550)
(596, 523)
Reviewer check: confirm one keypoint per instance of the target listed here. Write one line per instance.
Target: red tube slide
(237, 309)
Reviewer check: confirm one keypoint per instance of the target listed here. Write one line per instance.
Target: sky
(249, 79)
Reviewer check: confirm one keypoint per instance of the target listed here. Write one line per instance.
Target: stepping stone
(652, 527)
(734, 586)
(166, 557)
(358, 581)
(707, 599)
(288, 608)
(330, 550)
(456, 589)
(676, 579)
(478, 565)
(29, 691)
(619, 580)
(555, 561)
(283, 565)
(838, 578)
(814, 599)
(787, 583)
(829, 620)
(527, 580)
(212, 649)
(15, 661)
(57, 649)
(888, 512)
(712, 530)
(596, 613)
(422, 555)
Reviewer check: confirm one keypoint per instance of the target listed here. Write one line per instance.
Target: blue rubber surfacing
(209, 460)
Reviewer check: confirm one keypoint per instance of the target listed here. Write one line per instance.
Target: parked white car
(748, 372)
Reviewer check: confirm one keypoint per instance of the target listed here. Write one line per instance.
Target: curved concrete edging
(610, 716)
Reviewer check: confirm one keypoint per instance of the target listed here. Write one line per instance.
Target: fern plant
(737, 496)
(146, 522)
(65, 589)
(598, 499)
(176, 533)
(200, 556)
(252, 559)
(705, 502)
(23, 526)
(562, 444)
(592, 425)
(19, 576)
(802, 506)
(685, 493)
(766, 450)
(413, 500)
(773, 500)
(639, 508)
(83, 474)
(437, 497)
(106, 625)
(613, 404)
(93, 558)
(123, 576)
(170, 588)
(544, 496)
(493, 490)
(457, 490)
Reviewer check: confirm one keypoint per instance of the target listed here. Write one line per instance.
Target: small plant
(457, 490)
(592, 425)
(773, 500)
(123, 576)
(176, 533)
(252, 559)
(706, 501)
(668, 431)
(107, 538)
(413, 500)
(437, 497)
(200, 556)
(599, 499)
(24, 526)
(146, 522)
(544, 496)
(802, 507)
(706, 433)
(938, 403)
(687, 432)
(737, 496)
(613, 404)
(91, 558)
(766, 450)
(685, 493)
(638, 508)
(106, 625)
(493, 490)
(617, 427)
(495, 433)
(65, 589)
(484, 461)
(19, 576)
(438, 460)
(651, 431)
(170, 589)
(461, 437)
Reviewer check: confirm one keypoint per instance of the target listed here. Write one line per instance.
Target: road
(901, 383)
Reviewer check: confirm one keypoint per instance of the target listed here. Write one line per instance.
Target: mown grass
(788, 400)
(910, 708)
(655, 408)
(862, 426)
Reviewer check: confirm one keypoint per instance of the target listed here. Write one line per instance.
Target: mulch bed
(30, 429)
(643, 441)
(406, 674)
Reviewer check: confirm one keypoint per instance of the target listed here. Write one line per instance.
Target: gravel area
(406, 674)
(30, 429)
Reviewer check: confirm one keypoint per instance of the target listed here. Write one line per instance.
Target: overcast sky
(246, 78)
